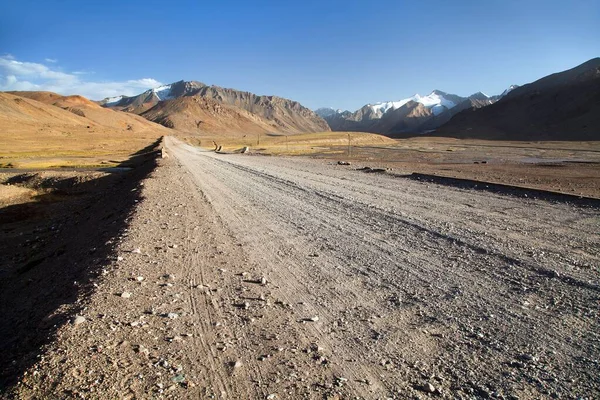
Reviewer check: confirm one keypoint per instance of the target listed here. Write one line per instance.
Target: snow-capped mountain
(324, 112)
(437, 101)
(507, 91)
(416, 113)
(110, 101)
(164, 92)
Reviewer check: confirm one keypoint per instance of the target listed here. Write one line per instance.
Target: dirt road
(263, 277)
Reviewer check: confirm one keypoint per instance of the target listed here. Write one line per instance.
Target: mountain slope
(38, 135)
(198, 114)
(93, 114)
(275, 114)
(561, 106)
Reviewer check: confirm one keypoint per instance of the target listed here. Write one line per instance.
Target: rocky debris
(258, 281)
(245, 305)
(126, 295)
(427, 388)
(78, 320)
(344, 163)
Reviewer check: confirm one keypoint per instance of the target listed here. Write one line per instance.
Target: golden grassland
(70, 147)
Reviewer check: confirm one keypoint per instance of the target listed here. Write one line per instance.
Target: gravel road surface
(247, 276)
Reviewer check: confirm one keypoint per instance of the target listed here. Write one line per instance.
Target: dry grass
(72, 147)
(297, 144)
(38, 135)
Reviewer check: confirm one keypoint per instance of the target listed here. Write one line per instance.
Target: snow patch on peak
(510, 89)
(109, 101)
(163, 92)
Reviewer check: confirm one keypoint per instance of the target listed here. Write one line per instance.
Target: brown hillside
(94, 113)
(15, 110)
(201, 115)
(38, 135)
(280, 115)
(288, 115)
(56, 99)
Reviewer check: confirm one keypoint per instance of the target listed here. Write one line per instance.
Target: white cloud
(19, 75)
(51, 60)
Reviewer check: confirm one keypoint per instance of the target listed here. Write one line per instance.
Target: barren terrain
(246, 276)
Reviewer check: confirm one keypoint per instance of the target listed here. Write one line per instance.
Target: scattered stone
(528, 358)
(312, 319)
(237, 364)
(344, 163)
(79, 320)
(126, 295)
(119, 258)
(272, 396)
(172, 315)
(137, 251)
(139, 278)
(340, 380)
(427, 388)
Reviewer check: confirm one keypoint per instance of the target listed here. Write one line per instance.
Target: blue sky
(321, 53)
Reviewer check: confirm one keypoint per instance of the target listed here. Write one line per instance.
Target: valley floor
(240, 276)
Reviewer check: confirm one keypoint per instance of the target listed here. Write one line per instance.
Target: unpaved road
(269, 277)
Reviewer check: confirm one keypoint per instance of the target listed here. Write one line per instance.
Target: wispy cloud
(22, 75)
(51, 60)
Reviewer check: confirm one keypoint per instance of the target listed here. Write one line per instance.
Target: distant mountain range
(411, 115)
(196, 107)
(561, 106)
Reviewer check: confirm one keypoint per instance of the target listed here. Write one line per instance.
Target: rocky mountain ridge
(258, 113)
(411, 115)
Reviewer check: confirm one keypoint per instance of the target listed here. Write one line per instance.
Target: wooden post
(349, 148)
